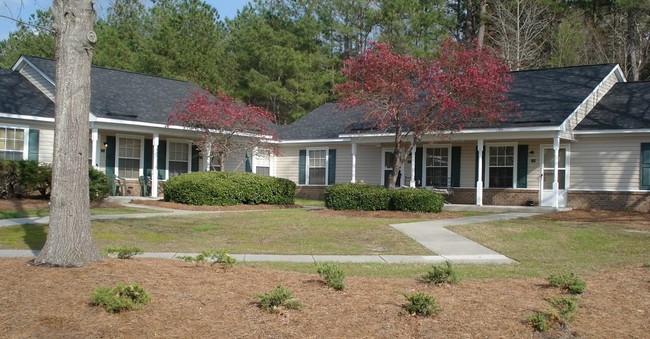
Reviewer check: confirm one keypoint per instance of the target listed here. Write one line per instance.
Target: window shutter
(419, 154)
(148, 157)
(331, 167)
(33, 144)
(110, 154)
(162, 159)
(302, 161)
(195, 158)
(522, 166)
(247, 163)
(455, 166)
(645, 167)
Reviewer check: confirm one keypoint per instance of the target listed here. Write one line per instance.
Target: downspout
(154, 166)
(556, 164)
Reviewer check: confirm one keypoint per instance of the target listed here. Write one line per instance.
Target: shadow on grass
(35, 235)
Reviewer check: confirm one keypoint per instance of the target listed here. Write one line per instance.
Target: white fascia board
(467, 131)
(25, 117)
(168, 127)
(615, 131)
(314, 141)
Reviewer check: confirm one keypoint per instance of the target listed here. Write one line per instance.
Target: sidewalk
(432, 234)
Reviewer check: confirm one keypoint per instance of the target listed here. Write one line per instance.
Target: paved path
(432, 234)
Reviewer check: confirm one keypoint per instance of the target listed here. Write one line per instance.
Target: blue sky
(24, 8)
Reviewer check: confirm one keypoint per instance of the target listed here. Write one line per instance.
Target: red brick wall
(310, 192)
(495, 196)
(621, 201)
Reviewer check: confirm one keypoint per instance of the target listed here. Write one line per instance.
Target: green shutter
(455, 166)
(419, 155)
(33, 144)
(645, 167)
(522, 166)
(302, 160)
(162, 159)
(195, 158)
(148, 157)
(331, 167)
(248, 167)
(110, 155)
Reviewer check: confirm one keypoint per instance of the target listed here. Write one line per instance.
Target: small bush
(441, 274)
(332, 274)
(416, 200)
(34, 177)
(229, 188)
(215, 256)
(123, 252)
(563, 310)
(280, 296)
(120, 298)
(570, 282)
(98, 184)
(421, 304)
(357, 197)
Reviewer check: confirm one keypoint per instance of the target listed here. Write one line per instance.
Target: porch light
(105, 144)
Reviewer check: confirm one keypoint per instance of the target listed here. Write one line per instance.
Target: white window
(262, 162)
(437, 167)
(178, 157)
(129, 157)
(12, 143)
(317, 167)
(501, 166)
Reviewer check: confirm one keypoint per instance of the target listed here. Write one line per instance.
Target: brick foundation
(310, 192)
(495, 196)
(620, 201)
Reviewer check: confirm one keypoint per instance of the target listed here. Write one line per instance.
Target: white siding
(467, 164)
(39, 81)
(369, 164)
(287, 162)
(606, 163)
(45, 145)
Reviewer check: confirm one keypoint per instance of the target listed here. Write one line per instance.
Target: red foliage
(227, 125)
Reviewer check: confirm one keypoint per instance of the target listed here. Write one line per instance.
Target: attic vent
(533, 121)
(120, 115)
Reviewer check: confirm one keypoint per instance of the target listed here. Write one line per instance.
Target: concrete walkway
(432, 234)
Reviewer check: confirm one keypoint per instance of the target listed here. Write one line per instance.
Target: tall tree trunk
(69, 242)
(482, 19)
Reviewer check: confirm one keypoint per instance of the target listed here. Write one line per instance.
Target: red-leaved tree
(415, 97)
(227, 126)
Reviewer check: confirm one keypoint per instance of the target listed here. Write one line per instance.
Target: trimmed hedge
(229, 188)
(375, 197)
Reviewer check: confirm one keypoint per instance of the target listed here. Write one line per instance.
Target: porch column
(479, 182)
(412, 182)
(154, 167)
(94, 136)
(207, 158)
(556, 163)
(354, 163)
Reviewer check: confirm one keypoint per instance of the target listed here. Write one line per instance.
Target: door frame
(563, 193)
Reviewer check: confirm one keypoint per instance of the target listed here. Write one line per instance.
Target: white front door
(547, 195)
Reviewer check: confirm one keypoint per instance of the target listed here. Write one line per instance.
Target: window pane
(177, 167)
(388, 159)
(129, 168)
(501, 177)
(264, 170)
(316, 176)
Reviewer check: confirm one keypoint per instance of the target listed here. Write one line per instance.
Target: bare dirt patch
(189, 301)
(25, 204)
(634, 220)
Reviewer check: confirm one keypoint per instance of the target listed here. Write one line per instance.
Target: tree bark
(69, 242)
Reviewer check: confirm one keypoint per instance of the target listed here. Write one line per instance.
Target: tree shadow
(34, 234)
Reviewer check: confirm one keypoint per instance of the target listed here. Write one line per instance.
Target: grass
(43, 212)
(310, 202)
(291, 231)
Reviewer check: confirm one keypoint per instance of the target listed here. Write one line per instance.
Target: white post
(354, 162)
(154, 167)
(207, 157)
(479, 182)
(412, 182)
(556, 162)
(94, 135)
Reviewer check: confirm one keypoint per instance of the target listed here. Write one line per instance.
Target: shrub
(216, 256)
(229, 188)
(123, 252)
(570, 282)
(8, 178)
(442, 274)
(562, 311)
(357, 197)
(98, 184)
(416, 200)
(120, 298)
(34, 177)
(332, 274)
(421, 304)
(278, 297)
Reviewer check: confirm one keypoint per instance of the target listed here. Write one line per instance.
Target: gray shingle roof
(19, 96)
(128, 96)
(543, 97)
(625, 106)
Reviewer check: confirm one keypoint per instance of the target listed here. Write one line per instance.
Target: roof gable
(625, 106)
(20, 97)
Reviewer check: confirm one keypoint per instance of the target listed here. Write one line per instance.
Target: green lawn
(291, 231)
(43, 212)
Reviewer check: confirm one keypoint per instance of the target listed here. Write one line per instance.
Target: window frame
(189, 155)
(118, 142)
(307, 167)
(25, 129)
(424, 164)
(256, 159)
(488, 151)
(384, 168)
